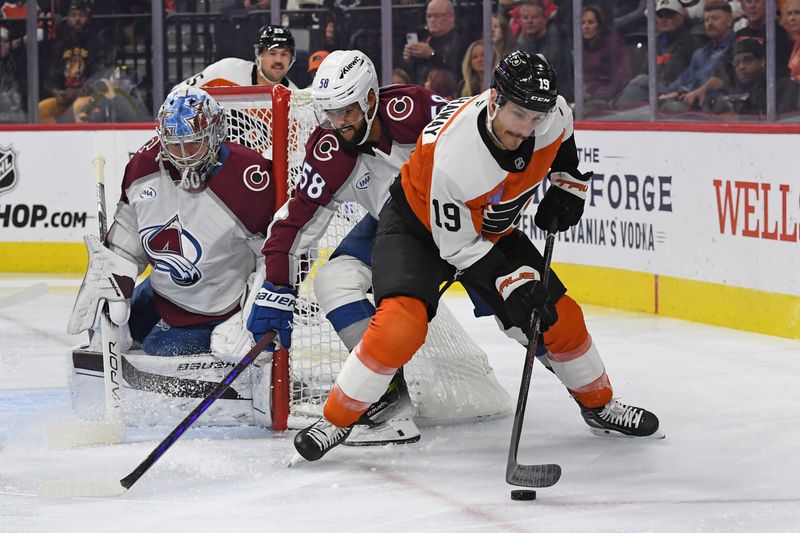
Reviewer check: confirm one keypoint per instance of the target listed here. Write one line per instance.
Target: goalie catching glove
(563, 200)
(523, 292)
(273, 310)
(109, 278)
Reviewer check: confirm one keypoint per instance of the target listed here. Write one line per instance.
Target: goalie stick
(112, 429)
(544, 475)
(87, 489)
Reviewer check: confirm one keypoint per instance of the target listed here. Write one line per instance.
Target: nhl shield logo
(8, 169)
(519, 163)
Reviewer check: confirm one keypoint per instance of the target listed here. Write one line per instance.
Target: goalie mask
(191, 130)
(526, 81)
(341, 90)
(272, 37)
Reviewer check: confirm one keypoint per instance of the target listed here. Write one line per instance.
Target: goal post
(449, 379)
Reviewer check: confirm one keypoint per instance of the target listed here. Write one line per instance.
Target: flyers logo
(501, 216)
(326, 145)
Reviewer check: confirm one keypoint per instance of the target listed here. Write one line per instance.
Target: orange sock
(395, 333)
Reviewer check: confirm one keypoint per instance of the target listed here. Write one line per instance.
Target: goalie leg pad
(169, 341)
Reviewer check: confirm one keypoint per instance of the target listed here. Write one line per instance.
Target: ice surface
(728, 402)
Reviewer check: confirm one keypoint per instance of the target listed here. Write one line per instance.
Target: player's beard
(359, 132)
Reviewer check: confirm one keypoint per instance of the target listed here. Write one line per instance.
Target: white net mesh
(449, 379)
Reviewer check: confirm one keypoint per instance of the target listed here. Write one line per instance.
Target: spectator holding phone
(440, 48)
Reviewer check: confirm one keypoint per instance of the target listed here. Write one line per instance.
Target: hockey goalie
(195, 208)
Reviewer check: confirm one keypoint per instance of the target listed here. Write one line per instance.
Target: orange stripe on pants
(567, 340)
(395, 333)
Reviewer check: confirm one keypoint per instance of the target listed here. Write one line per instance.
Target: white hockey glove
(109, 278)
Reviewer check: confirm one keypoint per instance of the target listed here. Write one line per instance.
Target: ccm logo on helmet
(348, 67)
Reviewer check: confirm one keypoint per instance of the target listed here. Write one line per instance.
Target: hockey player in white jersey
(274, 55)
(366, 133)
(453, 212)
(196, 208)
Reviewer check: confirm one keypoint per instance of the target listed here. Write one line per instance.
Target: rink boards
(702, 225)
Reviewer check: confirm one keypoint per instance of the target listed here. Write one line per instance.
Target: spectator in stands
(629, 16)
(472, 70)
(606, 61)
(400, 77)
(685, 92)
(78, 52)
(503, 39)
(441, 48)
(724, 74)
(675, 44)
(11, 91)
(537, 37)
(114, 100)
(442, 82)
(314, 61)
(791, 16)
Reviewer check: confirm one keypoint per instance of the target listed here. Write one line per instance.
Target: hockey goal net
(449, 379)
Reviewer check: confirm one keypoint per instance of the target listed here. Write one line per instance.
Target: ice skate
(617, 419)
(390, 420)
(317, 439)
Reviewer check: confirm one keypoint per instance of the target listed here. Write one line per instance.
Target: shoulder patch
(400, 107)
(326, 146)
(256, 178)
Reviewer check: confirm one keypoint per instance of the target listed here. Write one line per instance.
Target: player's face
(189, 152)
(513, 124)
(348, 121)
(275, 63)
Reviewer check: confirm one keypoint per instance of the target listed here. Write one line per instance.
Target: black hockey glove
(523, 292)
(563, 200)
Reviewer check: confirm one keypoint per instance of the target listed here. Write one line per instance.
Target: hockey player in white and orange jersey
(274, 56)
(453, 214)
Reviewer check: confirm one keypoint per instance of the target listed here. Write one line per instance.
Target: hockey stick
(24, 295)
(88, 489)
(112, 429)
(544, 475)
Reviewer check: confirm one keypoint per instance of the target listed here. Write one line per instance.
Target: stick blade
(65, 489)
(84, 433)
(533, 475)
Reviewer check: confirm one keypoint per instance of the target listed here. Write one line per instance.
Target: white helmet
(191, 115)
(345, 77)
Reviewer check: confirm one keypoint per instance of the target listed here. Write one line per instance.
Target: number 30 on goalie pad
(161, 390)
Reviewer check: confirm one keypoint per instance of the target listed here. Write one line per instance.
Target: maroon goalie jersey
(334, 174)
(201, 245)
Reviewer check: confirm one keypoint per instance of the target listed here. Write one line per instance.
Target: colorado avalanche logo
(255, 178)
(173, 249)
(400, 108)
(326, 145)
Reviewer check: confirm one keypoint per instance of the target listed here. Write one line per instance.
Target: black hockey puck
(523, 494)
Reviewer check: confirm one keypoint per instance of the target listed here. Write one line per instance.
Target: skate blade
(296, 459)
(658, 435)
